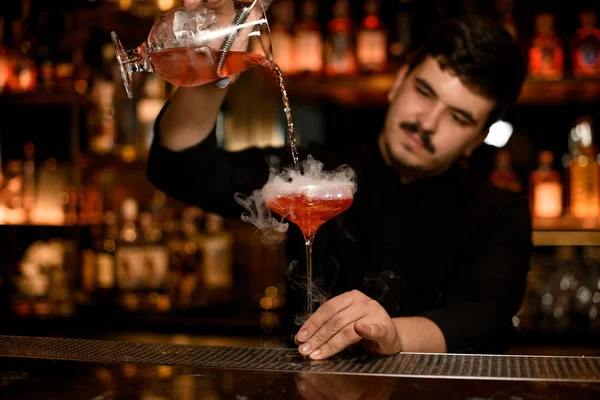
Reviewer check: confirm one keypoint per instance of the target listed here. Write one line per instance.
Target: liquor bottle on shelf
(584, 184)
(101, 117)
(128, 255)
(105, 256)
(546, 189)
(586, 47)
(29, 180)
(64, 70)
(546, 54)
(92, 199)
(45, 53)
(281, 35)
(155, 253)
(403, 33)
(13, 193)
(565, 287)
(175, 241)
(23, 78)
(5, 60)
(308, 40)
(217, 251)
(585, 299)
(591, 262)
(503, 176)
(340, 58)
(506, 10)
(193, 288)
(371, 40)
(147, 109)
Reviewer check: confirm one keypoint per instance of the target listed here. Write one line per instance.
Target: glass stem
(309, 290)
(139, 59)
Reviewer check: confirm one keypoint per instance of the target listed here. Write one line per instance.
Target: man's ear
(400, 77)
(476, 143)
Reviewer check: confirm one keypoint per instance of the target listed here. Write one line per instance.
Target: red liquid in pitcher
(197, 66)
(308, 213)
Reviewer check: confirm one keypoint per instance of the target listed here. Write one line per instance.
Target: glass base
(124, 65)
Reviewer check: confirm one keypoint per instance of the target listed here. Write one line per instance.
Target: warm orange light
(547, 200)
(164, 5)
(125, 4)
(266, 303)
(271, 291)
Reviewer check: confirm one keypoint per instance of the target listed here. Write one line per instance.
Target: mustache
(425, 136)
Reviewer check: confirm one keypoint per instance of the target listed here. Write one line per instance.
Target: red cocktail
(309, 207)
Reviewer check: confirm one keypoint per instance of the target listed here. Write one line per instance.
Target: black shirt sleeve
(487, 292)
(208, 177)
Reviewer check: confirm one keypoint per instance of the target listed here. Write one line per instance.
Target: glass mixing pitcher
(194, 45)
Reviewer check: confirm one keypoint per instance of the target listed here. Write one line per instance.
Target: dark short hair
(482, 54)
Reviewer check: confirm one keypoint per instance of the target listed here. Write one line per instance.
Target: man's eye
(423, 92)
(459, 120)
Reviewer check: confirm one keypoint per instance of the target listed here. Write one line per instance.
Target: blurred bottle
(64, 70)
(217, 250)
(147, 109)
(502, 175)
(308, 42)
(282, 22)
(340, 58)
(14, 183)
(45, 52)
(105, 256)
(585, 302)
(92, 207)
(586, 47)
(403, 34)
(101, 117)
(565, 287)
(592, 282)
(546, 190)
(128, 255)
(29, 180)
(193, 286)
(506, 10)
(173, 237)
(155, 262)
(5, 59)
(23, 78)
(546, 55)
(584, 189)
(371, 40)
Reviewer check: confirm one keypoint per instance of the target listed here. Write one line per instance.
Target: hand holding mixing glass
(200, 43)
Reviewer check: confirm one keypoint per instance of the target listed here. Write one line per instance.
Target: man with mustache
(449, 252)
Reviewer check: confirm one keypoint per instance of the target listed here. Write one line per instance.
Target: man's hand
(343, 387)
(347, 319)
(240, 44)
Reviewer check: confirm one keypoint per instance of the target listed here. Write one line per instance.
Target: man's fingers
(337, 343)
(323, 314)
(373, 332)
(337, 323)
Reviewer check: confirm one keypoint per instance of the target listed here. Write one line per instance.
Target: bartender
(429, 257)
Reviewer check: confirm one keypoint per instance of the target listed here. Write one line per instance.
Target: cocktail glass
(308, 207)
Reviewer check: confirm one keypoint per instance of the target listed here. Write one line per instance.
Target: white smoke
(311, 173)
(297, 281)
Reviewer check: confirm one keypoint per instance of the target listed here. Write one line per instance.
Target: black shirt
(451, 248)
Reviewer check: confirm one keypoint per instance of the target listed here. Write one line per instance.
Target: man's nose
(430, 118)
